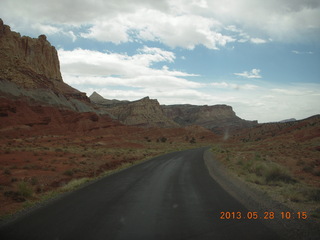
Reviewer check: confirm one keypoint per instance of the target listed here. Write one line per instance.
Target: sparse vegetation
(69, 172)
(7, 172)
(275, 173)
(25, 190)
(316, 213)
(284, 166)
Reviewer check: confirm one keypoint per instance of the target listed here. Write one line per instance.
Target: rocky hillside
(145, 112)
(300, 130)
(30, 67)
(220, 119)
(18, 117)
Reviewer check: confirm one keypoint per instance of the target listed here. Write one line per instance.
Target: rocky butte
(30, 67)
(145, 112)
(220, 119)
(24, 57)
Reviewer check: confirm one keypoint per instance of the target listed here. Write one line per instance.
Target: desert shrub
(259, 169)
(316, 213)
(14, 179)
(254, 179)
(75, 184)
(257, 157)
(308, 168)
(277, 174)
(300, 162)
(34, 181)
(162, 139)
(239, 162)
(314, 195)
(295, 194)
(25, 190)
(69, 173)
(316, 173)
(7, 172)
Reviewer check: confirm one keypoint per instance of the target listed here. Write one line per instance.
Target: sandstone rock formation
(99, 100)
(221, 119)
(31, 66)
(25, 57)
(145, 112)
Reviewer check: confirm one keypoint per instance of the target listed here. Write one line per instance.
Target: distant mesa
(288, 120)
(148, 112)
(218, 118)
(145, 112)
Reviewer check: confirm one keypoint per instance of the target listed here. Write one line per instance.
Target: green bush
(277, 174)
(25, 190)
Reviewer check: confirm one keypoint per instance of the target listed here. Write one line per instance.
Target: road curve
(168, 197)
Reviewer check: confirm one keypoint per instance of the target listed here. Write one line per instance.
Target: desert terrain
(53, 138)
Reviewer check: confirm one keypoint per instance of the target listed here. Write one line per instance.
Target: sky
(260, 57)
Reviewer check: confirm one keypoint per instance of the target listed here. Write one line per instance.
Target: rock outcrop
(101, 101)
(23, 58)
(30, 67)
(221, 119)
(19, 117)
(145, 112)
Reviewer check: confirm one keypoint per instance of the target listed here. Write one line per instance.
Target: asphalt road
(169, 197)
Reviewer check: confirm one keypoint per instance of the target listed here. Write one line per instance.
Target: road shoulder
(256, 200)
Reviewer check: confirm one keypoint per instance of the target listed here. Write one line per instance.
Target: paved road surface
(169, 197)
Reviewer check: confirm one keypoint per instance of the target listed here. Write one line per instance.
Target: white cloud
(234, 86)
(185, 31)
(258, 40)
(179, 23)
(108, 31)
(85, 67)
(254, 73)
(301, 52)
(46, 29)
(281, 20)
(292, 92)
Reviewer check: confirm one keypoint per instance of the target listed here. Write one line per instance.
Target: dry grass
(287, 172)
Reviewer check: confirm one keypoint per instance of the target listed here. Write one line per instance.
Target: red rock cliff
(32, 63)
(24, 57)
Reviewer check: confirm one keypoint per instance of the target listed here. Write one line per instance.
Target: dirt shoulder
(257, 200)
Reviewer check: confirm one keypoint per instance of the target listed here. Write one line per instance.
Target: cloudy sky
(261, 57)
